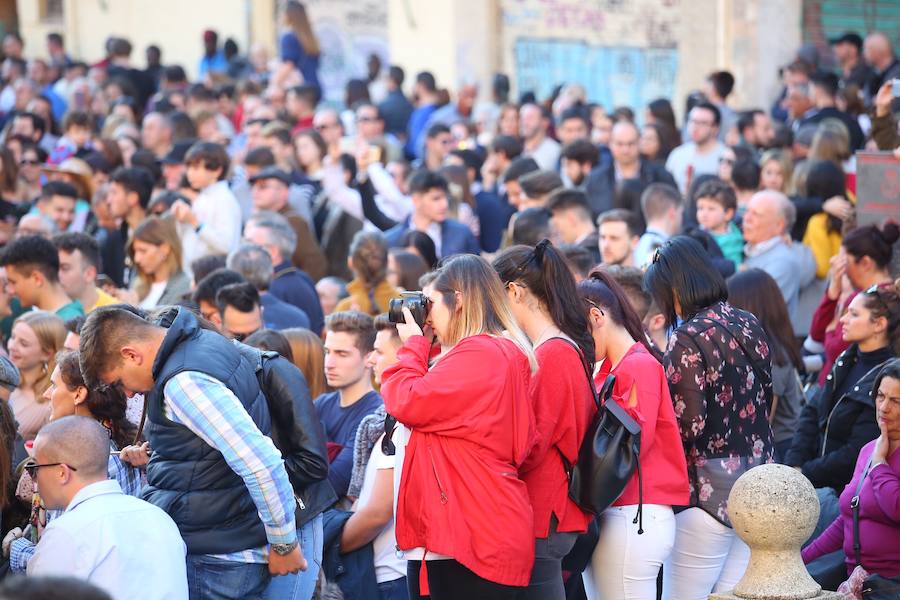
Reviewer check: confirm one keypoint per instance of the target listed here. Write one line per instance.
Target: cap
(271, 173)
(9, 374)
(848, 38)
(177, 153)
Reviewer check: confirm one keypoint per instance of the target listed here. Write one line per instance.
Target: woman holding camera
(463, 515)
(546, 305)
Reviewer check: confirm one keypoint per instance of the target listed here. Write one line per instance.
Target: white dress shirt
(128, 547)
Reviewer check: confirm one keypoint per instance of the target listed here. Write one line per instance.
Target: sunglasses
(33, 467)
(595, 305)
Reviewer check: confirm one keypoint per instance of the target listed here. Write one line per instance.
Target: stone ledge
(823, 595)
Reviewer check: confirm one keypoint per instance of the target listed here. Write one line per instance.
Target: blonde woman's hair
(485, 305)
(309, 357)
(784, 161)
(50, 331)
(299, 22)
(156, 231)
(831, 142)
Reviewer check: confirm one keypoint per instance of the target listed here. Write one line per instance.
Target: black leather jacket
(296, 431)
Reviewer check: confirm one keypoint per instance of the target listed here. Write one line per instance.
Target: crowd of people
(211, 390)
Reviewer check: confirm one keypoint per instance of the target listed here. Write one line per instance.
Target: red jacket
(832, 340)
(472, 427)
(642, 389)
(563, 407)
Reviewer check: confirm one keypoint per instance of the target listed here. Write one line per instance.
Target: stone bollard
(774, 509)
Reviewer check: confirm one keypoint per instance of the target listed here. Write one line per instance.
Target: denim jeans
(215, 579)
(300, 586)
(394, 589)
(546, 574)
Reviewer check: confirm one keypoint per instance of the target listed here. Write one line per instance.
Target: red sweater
(832, 340)
(643, 391)
(563, 407)
(472, 428)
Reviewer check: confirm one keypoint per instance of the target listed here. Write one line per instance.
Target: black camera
(417, 303)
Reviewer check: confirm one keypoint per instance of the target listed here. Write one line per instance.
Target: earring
(44, 368)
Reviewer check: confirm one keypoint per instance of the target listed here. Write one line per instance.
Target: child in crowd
(77, 127)
(716, 205)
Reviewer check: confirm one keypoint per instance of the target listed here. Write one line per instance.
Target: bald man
(767, 225)
(126, 546)
(879, 53)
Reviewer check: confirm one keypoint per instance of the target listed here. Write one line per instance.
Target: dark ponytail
(602, 289)
(544, 271)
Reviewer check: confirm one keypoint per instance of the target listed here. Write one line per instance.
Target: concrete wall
(175, 25)
(454, 39)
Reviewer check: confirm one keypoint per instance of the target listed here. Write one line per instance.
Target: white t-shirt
(685, 156)
(401, 439)
(387, 566)
(152, 298)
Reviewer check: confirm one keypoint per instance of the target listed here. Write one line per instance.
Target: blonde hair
(309, 357)
(299, 22)
(50, 331)
(784, 161)
(485, 306)
(156, 231)
(831, 142)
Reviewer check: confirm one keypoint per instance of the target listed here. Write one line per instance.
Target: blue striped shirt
(208, 408)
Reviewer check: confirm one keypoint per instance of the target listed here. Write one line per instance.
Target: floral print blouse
(720, 377)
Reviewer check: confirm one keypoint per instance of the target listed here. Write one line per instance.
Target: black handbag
(609, 454)
(875, 587)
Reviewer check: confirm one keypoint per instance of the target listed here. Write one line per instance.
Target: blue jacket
(354, 572)
(493, 218)
(186, 477)
(278, 314)
(456, 238)
(294, 286)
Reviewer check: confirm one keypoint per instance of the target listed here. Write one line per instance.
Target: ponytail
(601, 289)
(544, 271)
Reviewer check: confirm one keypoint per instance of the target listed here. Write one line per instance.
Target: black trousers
(449, 580)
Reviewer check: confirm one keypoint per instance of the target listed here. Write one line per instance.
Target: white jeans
(707, 557)
(625, 565)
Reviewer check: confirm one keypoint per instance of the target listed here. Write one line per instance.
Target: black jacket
(831, 430)
(601, 185)
(296, 431)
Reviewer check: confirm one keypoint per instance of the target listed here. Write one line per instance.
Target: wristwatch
(284, 549)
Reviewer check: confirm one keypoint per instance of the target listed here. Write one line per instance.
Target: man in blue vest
(213, 469)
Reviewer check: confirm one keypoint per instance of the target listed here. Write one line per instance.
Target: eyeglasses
(366, 119)
(33, 467)
(324, 126)
(726, 161)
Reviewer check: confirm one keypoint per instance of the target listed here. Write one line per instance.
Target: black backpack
(609, 454)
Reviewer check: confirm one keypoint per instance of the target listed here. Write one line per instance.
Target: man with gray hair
(767, 226)
(128, 547)
(290, 284)
(255, 265)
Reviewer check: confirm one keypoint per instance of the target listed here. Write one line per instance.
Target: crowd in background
(203, 394)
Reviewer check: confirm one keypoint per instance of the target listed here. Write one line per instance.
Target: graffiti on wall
(622, 52)
(349, 31)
